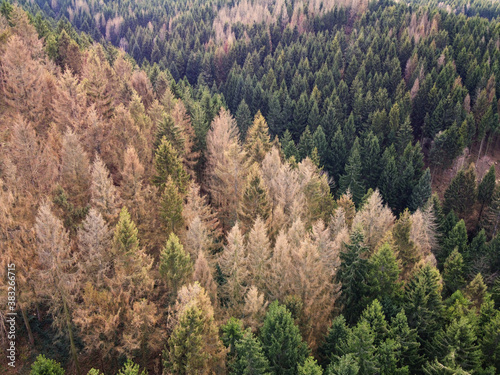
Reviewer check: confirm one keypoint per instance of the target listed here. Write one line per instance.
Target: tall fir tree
(352, 178)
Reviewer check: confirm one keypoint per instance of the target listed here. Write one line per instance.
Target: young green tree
(131, 368)
(486, 189)
(453, 274)
(257, 142)
(352, 179)
(250, 358)
(175, 264)
(243, 118)
(310, 367)
(337, 155)
(171, 206)
(334, 340)
(46, 366)
(281, 341)
(461, 193)
(421, 192)
(407, 339)
(352, 275)
(384, 275)
(167, 163)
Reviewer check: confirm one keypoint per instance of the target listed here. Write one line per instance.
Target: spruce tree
(310, 367)
(281, 341)
(407, 339)
(406, 248)
(353, 274)
(257, 142)
(370, 156)
(421, 192)
(457, 238)
(384, 275)
(453, 274)
(461, 193)
(273, 115)
(171, 206)
(175, 264)
(288, 145)
(167, 163)
(250, 358)
(424, 306)
(375, 318)
(321, 144)
(337, 155)
(335, 340)
(361, 343)
(388, 182)
(46, 366)
(255, 201)
(352, 178)
(486, 189)
(306, 144)
(243, 118)
(346, 365)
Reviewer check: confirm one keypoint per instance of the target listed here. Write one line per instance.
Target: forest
(250, 187)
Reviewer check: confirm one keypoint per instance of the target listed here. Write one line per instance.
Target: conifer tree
(167, 163)
(370, 155)
(421, 192)
(389, 178)
(258, 254)
(407, 339)
(461, 193)
(194, 345)
(423, 305)
(43, 366)
(337, 155)
(243, 118)
(204, 275)
(56, 279)
(490, 343)
(310, 367)
(460, 338)
(486, 189)
(232, 264)
(288, 145)
(457, 238)
(476, 291)
(346, 365)
(306, 144)
(352, 274)
(375, 317)
(171, 206)
(250, 358)
(335, 340)
(384, 274)
(453, 274)
(321, 144)
(257, 142)
(254, 202)
(104, 194)
(281, 341)
(407, 251)
(175, 264)
(361, 343)
(352, 180)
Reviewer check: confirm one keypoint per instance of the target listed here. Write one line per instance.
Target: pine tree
(167, 163)
(352, 179)
(400, 332)
(457, 238)
(361, 343)
(56, 279)
(346, 365)
(104, 194)
(306, 144)
(384, 274)
(232, 264)
(337, 155)
(281, 341)
(370, 156)
(243, 118)
(407, 251)
(171, 206)
(175, 264)
(423, 305)
(257, 142)
(194, 345)
(453, 274)
(288, 145)
(461, 193)
(486, 189)
(335, 340)
(258, 254)
(375, 317)
(352, 274)
(250, 358)
(459, 338)
(46, 366)
(421, 192)
(254, 202)
(310, 367)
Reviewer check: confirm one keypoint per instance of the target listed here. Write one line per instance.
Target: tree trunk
(27, 324)
(480, 149)
(71, 339)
